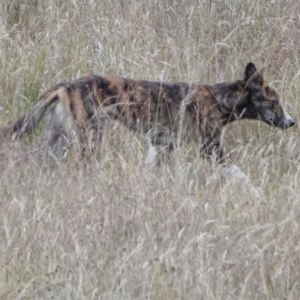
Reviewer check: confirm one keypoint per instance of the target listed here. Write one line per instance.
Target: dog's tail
(30, 120)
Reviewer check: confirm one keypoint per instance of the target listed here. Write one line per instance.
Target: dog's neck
(232, 99)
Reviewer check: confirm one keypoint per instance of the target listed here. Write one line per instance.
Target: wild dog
(168, 113)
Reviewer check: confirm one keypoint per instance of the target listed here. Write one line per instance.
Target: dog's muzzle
(287, 121)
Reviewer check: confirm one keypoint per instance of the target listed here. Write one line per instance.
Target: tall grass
(111, 228)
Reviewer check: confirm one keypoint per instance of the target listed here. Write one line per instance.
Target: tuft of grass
(33, 80)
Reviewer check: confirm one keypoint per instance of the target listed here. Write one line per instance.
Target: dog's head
(263, 101)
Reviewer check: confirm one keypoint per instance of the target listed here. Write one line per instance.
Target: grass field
(114, 229)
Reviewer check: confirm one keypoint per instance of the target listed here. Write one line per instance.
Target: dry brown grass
(113, 229)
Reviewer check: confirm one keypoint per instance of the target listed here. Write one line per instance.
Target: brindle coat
(168, 113)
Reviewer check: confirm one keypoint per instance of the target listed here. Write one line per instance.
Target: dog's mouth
(286, 122)
(285, 125)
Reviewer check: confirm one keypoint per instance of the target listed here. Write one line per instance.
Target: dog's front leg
(211, 148)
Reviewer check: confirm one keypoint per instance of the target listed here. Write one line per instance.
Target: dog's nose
(292, 123)
(288, 120)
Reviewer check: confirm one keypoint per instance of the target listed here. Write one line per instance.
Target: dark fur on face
(251, 98)
(167, 113)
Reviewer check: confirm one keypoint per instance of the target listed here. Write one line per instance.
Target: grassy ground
(113, 229)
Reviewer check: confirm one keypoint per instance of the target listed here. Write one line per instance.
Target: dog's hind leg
(61, 130)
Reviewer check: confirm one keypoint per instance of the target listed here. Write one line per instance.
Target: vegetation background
(114, 229)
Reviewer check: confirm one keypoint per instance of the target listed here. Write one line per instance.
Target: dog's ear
(249, 71)
(252, 77)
